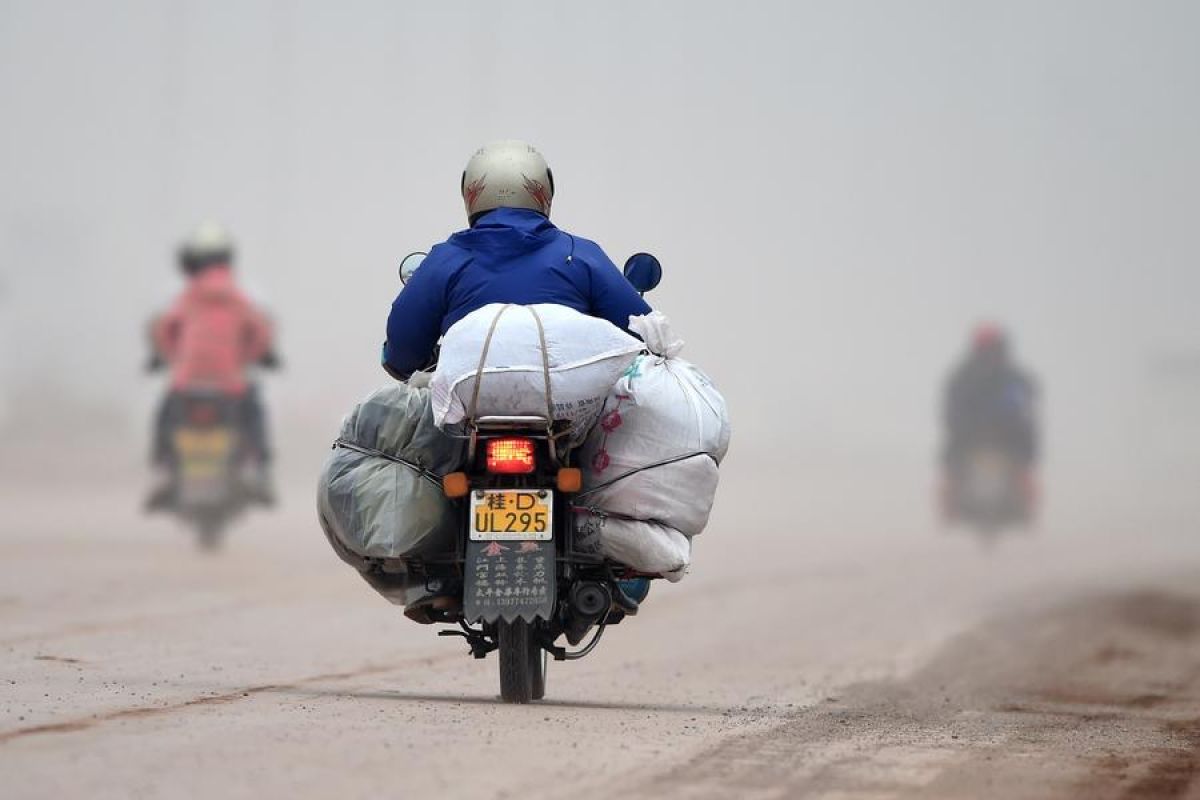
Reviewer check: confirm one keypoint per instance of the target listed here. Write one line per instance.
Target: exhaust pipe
(589, 602)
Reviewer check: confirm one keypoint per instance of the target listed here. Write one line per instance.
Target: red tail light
(510, 456)
(202, 414)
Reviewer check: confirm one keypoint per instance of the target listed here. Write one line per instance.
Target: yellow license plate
(213, 443)
(512, 514)
(203, 453)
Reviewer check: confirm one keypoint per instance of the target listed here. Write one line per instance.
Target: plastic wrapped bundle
(380, 494)
(537, 360)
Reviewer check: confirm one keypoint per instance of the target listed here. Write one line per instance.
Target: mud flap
(509, 581)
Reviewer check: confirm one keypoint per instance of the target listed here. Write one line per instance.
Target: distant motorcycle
(990, 492)
(516, 581)
(214, 474)
(207, 461)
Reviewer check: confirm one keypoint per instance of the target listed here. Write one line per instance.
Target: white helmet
(208, 244)
(507, 174)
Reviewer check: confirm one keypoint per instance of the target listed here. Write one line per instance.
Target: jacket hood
(507, 232)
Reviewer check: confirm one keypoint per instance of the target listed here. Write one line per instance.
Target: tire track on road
(141, 712)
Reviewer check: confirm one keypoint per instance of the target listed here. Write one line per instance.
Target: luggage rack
(524, 423)
(504, 422)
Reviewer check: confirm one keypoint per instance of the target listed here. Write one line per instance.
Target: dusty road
(816, 662)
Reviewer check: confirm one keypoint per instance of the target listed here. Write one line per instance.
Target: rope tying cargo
(472, 409)
(432, 477)
(656, 464)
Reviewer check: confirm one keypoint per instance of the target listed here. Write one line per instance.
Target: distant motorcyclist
(511, 253)
(209, 339)
(990, 403)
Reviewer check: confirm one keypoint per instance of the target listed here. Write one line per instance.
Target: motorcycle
(991, 491)
(516, 582)
(214, 475)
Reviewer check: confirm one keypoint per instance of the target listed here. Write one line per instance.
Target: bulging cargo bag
(380, 496)
(511, 360)
(650, 464)
(646, 546)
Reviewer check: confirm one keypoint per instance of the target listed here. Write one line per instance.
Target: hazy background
(838, 191)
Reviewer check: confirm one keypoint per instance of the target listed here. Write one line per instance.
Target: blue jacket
(508, 256)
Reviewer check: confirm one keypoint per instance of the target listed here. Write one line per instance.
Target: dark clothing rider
(990, 403)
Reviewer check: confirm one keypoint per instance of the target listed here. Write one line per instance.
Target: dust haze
(838, 192)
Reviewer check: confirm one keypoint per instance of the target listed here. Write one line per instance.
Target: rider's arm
(612, 297)
(1031, 432)
(259, 333)
(164, 334)
(415, 322)
(954, 405)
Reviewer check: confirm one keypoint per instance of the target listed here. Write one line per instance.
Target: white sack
(654, 453)
(657, 334)
(644, 546)
(586, 355)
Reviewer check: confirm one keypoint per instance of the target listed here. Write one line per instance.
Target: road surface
(870, 659)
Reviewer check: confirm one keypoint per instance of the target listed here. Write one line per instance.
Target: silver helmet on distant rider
(209, 244)
(507, 174)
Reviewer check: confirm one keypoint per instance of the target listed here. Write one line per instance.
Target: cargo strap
(603, 514)
(487, 344)
(545, 365)
(632, 472)
(432, 477)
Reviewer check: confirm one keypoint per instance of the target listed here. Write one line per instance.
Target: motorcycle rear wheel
(210, 531)
(522, 672)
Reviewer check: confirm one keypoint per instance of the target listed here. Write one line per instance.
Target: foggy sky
(837, 190)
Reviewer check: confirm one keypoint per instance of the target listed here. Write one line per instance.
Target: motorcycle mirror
(409, 264)
(643, 271)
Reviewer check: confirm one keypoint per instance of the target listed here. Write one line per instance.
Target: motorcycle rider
(510, 253)
(990, 402)
(209, 338)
